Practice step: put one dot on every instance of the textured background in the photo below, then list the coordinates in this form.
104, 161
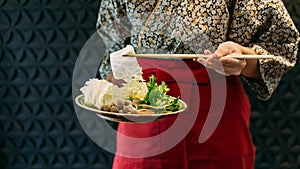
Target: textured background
39, 43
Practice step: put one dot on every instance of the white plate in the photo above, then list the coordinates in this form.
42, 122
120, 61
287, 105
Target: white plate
130, 118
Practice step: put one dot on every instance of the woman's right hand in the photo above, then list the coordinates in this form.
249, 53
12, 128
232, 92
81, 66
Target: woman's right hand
222, 63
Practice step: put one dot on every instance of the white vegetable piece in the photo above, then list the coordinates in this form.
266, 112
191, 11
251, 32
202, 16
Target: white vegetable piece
97, 92
124, 67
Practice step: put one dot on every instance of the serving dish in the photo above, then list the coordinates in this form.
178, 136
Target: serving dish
129, 118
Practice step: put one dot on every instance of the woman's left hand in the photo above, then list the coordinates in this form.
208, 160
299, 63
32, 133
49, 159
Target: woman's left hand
221, 61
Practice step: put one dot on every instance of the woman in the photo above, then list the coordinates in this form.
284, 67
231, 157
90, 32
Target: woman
220, 28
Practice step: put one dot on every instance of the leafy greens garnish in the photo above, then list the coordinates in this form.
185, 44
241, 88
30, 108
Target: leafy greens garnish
157, 96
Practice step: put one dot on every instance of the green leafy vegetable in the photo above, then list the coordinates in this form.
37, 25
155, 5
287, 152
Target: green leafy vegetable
157, 96
173, 105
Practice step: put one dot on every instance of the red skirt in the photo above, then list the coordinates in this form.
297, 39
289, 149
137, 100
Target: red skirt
212, 133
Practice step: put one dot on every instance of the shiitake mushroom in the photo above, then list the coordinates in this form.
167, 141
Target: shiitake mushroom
119, 106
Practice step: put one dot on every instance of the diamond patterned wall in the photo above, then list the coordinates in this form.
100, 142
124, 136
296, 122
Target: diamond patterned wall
39, 43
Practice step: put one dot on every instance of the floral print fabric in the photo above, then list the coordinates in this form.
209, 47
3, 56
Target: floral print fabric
192, 26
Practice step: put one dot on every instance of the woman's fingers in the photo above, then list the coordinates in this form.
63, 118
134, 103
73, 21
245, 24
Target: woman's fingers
214, 64
202, 61
109, 77
233, 66
207, 52
221, 62
232, 62
225, 65
118, 82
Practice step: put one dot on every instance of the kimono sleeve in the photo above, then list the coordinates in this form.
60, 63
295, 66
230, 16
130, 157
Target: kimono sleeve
267, 28
114, 27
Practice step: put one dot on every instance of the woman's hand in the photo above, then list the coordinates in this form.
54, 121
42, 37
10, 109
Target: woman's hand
118, 82
222, 63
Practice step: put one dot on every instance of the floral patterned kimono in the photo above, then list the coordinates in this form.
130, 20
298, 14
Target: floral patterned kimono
192, 26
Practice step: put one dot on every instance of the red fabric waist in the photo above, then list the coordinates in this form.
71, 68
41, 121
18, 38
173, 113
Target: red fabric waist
180, 71
231, 138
